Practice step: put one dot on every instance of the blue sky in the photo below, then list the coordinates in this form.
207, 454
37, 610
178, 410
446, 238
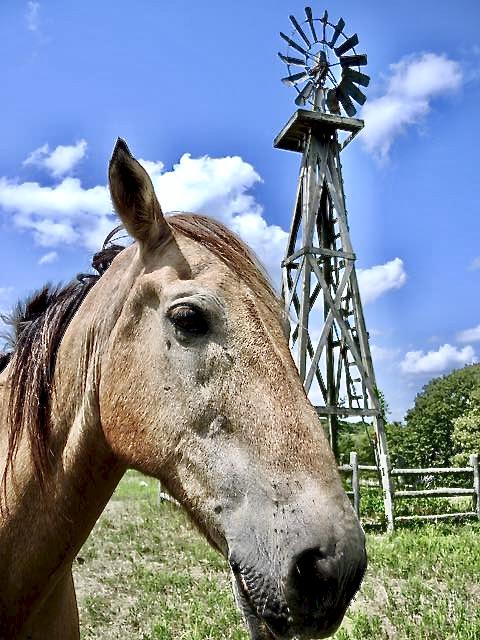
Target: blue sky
195, 89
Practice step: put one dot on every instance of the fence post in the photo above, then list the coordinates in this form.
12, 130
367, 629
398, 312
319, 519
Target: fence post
476, 483
388, 492
355, 482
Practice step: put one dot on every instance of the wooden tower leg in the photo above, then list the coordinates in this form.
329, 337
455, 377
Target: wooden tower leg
384, 468
320, 291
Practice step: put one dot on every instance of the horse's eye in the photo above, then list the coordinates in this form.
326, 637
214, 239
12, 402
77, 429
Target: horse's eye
188, 320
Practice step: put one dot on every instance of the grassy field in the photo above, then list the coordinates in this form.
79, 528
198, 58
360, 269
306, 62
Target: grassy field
146, 574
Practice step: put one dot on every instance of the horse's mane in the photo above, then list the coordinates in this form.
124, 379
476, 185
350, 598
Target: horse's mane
38, 325
53, 303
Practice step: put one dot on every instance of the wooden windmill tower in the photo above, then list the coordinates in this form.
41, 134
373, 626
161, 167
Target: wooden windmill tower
320, 287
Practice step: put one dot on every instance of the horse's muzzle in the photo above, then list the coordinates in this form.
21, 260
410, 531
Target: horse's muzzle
319, 589
315, 595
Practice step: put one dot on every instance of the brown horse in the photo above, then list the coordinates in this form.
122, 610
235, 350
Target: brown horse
173, 362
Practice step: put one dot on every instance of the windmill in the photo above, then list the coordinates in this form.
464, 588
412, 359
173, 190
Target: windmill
320, 289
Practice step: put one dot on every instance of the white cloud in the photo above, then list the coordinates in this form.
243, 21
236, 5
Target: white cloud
475, 264
64, 213
469, 335
5, 292
414, 82
446, 357
69, 213
376, 281
382, 354
219, 187
60, 161
48, 258
32, 16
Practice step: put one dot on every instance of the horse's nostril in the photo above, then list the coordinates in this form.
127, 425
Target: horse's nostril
316, 569
321, 583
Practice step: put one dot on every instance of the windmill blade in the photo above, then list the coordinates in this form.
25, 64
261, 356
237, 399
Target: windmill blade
324, 20
345, 101
300, 31
304, 94
293, 44
332, 101
308, 13
337, 32
295, 79
347, 45
353, 61
356, 76
296, 62
352, 90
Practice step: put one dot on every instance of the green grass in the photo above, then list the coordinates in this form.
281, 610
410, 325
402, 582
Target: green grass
146, 574
423, 583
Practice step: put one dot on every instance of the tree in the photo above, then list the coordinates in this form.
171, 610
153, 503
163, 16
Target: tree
427, 437
466, 432
359, 437
398, 443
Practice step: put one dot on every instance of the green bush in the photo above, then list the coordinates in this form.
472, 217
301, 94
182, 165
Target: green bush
371, 505
426, 439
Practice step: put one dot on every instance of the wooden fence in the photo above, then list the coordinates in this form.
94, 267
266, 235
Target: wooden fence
355, 469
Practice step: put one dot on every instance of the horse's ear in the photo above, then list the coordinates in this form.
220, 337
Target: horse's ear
134, 198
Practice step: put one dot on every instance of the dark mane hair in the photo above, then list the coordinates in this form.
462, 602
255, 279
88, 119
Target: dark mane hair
39, 323
37, 328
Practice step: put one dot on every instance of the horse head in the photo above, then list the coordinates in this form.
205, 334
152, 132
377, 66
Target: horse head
198, 389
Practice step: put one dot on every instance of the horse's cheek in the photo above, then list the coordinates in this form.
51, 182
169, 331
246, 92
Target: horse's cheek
127, 420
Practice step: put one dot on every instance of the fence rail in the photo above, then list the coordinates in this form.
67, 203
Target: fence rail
437, 516
442, 492
429, 471
355, 469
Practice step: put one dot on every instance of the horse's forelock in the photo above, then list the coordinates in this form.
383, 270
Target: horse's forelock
230, 249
